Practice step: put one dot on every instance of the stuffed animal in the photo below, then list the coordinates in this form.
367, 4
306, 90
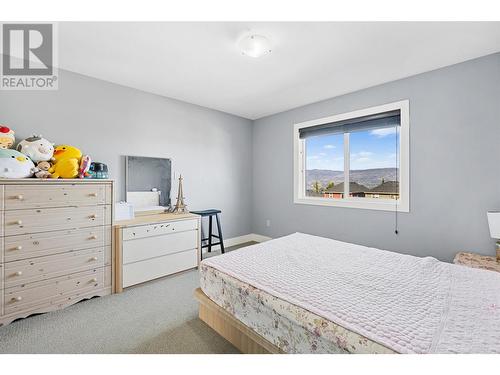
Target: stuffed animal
13, 164
84, 166
66, 162
42, 169
36, 148
7, 138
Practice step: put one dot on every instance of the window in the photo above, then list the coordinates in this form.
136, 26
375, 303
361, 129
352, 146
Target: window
358, 159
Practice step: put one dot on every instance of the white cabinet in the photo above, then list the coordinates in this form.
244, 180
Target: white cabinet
153, 246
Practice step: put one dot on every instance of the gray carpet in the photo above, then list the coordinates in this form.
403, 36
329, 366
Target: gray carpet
156, 317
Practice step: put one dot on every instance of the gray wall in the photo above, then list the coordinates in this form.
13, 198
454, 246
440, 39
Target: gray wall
454, 173
455, 157
211, 149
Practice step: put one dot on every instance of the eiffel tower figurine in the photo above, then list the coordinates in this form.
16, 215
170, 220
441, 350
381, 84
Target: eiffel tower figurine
180, 207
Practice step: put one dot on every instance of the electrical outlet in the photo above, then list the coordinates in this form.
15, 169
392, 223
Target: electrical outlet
268, 223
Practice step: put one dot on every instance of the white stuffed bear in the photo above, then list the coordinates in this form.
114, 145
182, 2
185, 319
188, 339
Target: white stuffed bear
36, 148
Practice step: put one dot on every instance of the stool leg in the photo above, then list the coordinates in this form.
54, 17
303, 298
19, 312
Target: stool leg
210, 234
202, 237
220, 234
202, 231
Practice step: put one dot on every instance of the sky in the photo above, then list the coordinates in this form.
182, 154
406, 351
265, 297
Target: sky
369, 149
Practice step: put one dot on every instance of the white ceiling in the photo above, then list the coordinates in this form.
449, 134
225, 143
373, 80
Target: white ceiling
200, 63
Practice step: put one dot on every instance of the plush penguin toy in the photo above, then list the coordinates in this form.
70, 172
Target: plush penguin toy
13, 164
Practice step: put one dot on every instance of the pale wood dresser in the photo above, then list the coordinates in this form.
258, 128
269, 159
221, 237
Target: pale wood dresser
55, 244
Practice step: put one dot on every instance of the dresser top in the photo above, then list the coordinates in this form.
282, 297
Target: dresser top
55, 181
477, 261
156, 218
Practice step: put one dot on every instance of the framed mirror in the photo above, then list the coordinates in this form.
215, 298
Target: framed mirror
148, 182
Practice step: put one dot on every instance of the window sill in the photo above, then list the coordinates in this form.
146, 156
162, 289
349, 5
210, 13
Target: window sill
363, 203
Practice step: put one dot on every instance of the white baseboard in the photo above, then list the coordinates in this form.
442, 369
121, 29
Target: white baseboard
251, 237
259, 237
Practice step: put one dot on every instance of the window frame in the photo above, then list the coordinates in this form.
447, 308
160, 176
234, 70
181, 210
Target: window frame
299, 164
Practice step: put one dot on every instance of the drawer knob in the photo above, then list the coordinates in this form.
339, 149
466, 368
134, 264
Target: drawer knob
18, 273
18, 222
19, 197
94, 216
93, 258
93, 194
17, 299
94, 237
19, 247
94, 280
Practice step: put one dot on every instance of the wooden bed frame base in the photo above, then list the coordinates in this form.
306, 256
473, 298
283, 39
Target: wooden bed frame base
234, 331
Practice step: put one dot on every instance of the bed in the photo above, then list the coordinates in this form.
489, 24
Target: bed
308, 294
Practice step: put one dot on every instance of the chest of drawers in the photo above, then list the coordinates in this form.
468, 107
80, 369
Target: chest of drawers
153, 246
55, 244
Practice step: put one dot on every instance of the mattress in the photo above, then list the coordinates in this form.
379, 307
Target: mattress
287, 326
308, 294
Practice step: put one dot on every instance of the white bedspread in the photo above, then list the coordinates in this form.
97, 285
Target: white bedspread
409, 304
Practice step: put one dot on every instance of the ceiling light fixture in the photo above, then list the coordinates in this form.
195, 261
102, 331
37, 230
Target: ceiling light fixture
254, 45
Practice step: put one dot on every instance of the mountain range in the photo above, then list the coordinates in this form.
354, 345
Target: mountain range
367, 177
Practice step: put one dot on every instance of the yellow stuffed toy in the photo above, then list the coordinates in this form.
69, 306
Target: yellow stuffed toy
66, 162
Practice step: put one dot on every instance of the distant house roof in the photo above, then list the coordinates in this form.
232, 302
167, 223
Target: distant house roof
354, 187
386, 187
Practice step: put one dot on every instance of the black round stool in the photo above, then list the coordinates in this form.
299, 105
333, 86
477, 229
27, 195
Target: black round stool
210, 213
